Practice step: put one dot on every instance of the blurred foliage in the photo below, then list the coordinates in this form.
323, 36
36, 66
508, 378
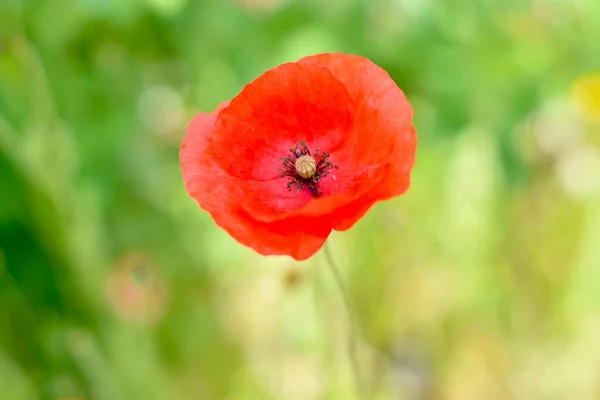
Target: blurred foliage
482, 282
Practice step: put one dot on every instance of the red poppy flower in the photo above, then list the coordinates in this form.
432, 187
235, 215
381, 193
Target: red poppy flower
307, 147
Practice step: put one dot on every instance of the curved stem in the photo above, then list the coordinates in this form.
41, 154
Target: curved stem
353, 340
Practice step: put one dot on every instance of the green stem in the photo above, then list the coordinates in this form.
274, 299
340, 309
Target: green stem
354, 334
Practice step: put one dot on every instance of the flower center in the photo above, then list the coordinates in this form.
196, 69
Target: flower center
306, 166
305, 170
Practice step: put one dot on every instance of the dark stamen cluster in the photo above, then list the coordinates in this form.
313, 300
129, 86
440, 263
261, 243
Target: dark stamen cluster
289, 169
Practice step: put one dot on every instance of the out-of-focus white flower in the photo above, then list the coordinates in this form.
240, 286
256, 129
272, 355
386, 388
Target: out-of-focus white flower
297, 378
578, 171
558, 127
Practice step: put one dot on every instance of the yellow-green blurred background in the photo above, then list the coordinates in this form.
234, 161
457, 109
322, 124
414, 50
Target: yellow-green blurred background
481, 283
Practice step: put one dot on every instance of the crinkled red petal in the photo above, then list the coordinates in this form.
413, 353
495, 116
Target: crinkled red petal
219, 194
382, 132
290, 103
382, 129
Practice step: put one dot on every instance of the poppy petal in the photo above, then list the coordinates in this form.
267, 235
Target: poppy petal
394, 181
270, 200
383, 115
382, 130
288, 104
219, 194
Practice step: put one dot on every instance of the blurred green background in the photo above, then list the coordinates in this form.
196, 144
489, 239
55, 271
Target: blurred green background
481, 283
